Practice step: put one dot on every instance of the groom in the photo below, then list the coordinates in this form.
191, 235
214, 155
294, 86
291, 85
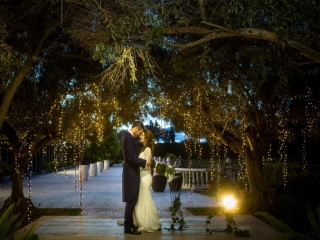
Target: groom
131, 174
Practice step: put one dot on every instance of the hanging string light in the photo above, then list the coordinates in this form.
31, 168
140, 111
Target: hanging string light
82, 150
243, 165
76, 158
269, 159
212, 154
29, 203
307, 131
219, 171
283, 143
65, 158
188, 147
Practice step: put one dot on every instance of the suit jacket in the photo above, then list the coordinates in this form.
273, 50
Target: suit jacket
131, 168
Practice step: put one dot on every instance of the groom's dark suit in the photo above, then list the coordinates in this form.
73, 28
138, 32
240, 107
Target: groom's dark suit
130, 177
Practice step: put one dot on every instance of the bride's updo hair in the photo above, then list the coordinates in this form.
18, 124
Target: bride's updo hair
149, 138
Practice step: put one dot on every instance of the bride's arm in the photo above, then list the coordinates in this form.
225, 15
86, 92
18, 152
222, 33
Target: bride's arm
147, 155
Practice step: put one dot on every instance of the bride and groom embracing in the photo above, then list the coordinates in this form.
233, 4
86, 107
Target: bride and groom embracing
140, 211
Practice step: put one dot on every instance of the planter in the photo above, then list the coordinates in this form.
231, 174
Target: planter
176, 183
159, 183
106, 164
93, 170
83, 172
100, 166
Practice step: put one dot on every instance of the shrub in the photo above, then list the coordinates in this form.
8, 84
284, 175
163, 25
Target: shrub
6, 169
299, 181
9, 225
161, 168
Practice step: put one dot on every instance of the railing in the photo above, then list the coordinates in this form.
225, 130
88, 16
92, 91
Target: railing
198, 177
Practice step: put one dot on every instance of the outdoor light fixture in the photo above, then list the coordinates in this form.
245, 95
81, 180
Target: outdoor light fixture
228, 202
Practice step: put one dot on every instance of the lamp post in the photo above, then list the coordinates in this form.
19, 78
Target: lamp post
228, 203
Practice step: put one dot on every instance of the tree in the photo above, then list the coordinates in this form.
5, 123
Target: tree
243, 100
45, 110
30, 30
155, 129
108, 148
106, 31
59, 101
111, 145
171, 135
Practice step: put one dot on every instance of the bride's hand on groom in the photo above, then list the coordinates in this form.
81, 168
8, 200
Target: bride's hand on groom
148, 162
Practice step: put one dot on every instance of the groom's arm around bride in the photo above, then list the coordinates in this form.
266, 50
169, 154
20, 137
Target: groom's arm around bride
131, 174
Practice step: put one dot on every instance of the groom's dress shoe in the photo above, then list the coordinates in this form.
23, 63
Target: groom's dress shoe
135, 228
132, 231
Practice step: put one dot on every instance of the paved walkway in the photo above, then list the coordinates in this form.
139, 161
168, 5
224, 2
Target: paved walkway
102, 207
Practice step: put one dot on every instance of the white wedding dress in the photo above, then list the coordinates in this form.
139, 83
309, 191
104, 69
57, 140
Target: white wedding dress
145, 214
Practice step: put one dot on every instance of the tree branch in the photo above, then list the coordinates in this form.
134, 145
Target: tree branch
209, 35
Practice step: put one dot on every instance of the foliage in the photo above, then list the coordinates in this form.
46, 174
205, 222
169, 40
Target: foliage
108, 148
170, 171
231, 223
161, 168
154, 127
298, 182
225, 100
314, 223
172, 157
6, 223
285, 231
9, 225
30, 235
6, 169
111, 145
208, 221
176, 213
268, 45
59, 211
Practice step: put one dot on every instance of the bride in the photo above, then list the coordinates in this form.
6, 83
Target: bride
145, 214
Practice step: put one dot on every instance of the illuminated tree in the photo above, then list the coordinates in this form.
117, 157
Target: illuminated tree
104, 30
108, 29
59, 101
232, 42
245, 99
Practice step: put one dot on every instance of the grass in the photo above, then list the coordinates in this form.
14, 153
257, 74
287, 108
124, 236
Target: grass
206, 211
59, 212
201, 211
205, 193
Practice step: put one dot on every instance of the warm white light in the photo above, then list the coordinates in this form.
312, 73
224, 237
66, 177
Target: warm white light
229, 202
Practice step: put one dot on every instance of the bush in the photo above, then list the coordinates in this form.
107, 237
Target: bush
6, 169
169, 171
9, 225
299, 181
161, 168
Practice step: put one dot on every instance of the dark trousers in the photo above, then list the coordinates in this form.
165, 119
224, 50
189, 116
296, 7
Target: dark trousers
128, 212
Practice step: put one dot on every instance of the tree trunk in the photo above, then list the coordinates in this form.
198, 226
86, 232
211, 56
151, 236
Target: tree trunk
260, 198
17, 196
